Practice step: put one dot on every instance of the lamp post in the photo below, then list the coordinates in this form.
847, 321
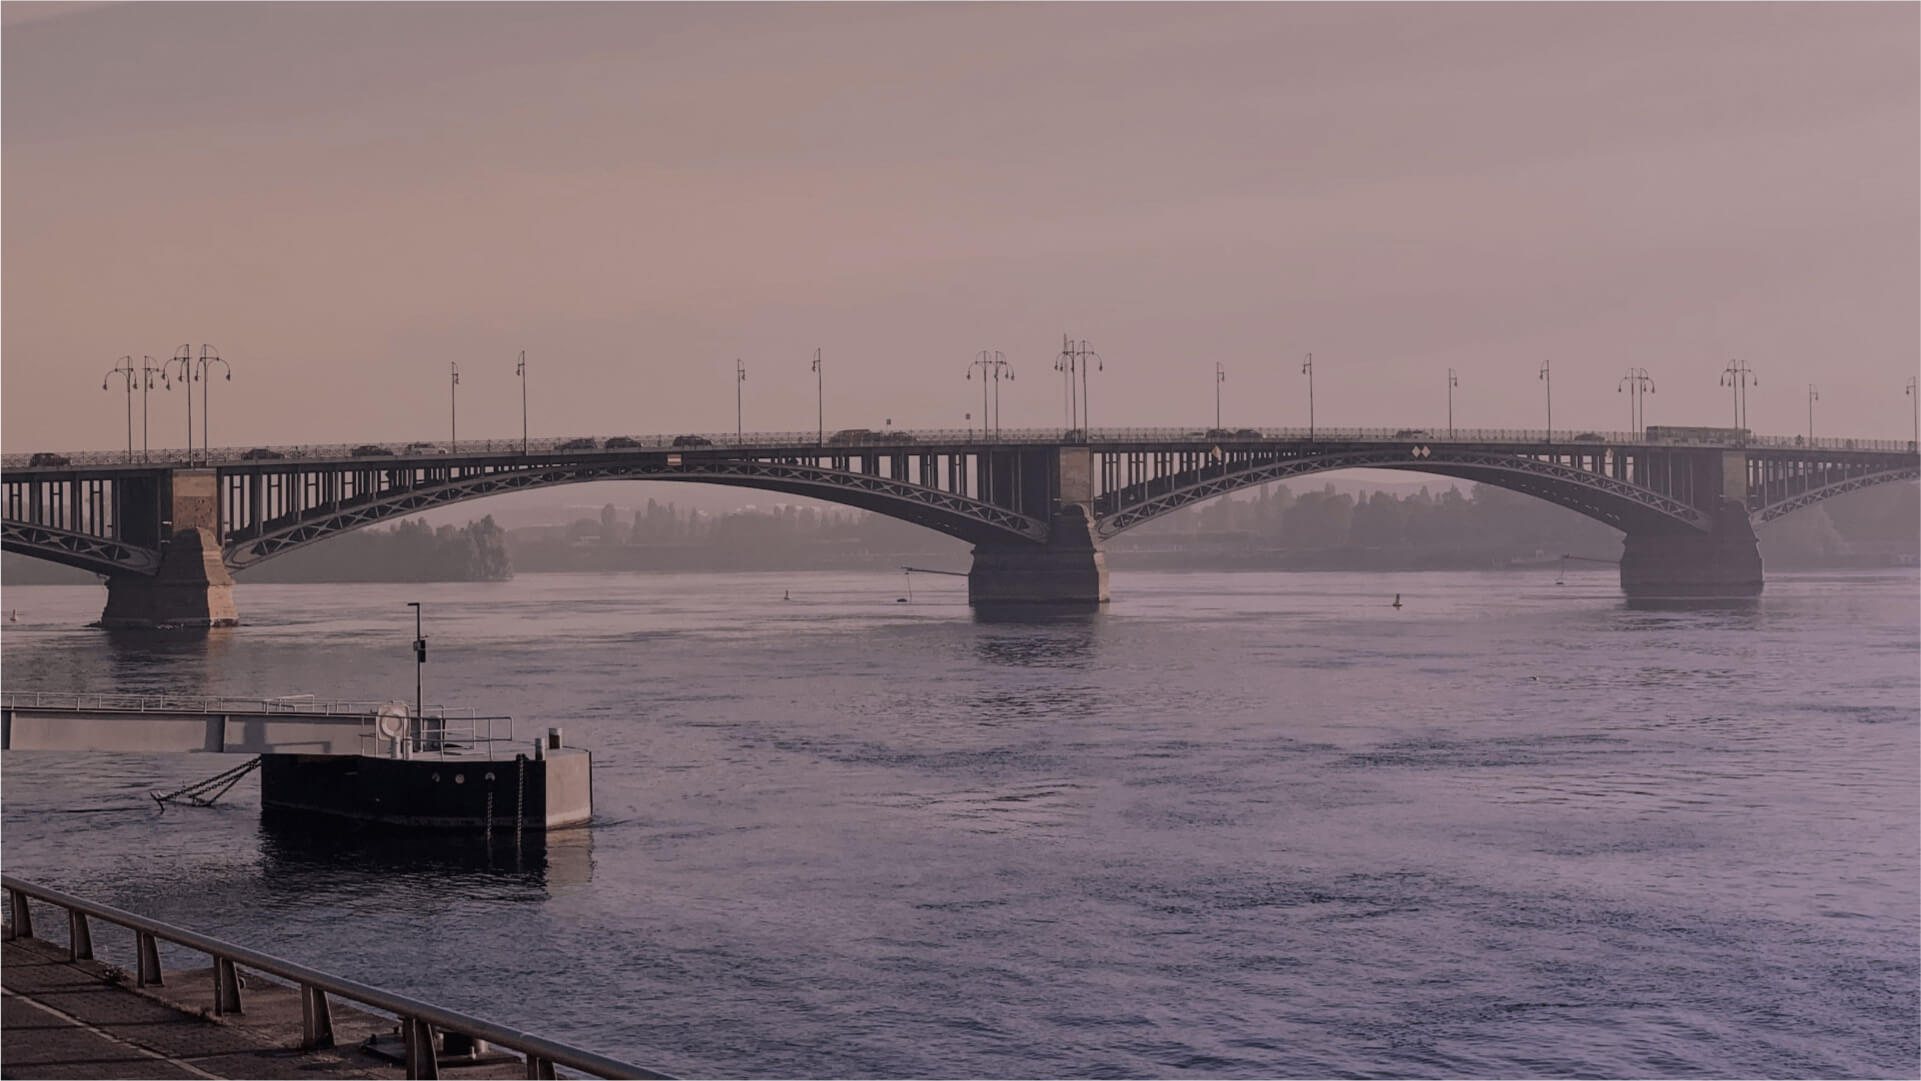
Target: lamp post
992, 364
148, 369
1914, 396
1307, 369
1738, 375
1077, 357
1452, 382
453, 407
209, 356
521, 370
183, 358
1638, 385
820, 398
124, 369
420, 661
1813, 396
1220, 376
740, 376
1547, 374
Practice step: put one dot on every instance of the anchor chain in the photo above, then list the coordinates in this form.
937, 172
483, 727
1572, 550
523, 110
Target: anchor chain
197, 793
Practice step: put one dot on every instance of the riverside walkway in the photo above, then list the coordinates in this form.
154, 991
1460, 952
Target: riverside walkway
69, 1014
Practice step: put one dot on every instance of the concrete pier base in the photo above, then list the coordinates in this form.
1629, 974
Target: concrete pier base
1068, 571
191, 589
1723, 563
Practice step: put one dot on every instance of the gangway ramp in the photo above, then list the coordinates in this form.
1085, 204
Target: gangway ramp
161, 724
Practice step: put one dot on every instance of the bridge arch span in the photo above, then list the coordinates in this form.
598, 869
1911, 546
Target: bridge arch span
971, 520
1618, 502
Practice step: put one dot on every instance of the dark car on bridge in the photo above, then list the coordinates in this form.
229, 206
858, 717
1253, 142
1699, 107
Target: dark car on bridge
1589, 437
692, 441
1412, 433
622, 442
371, 450
47, 457
259, 453
847, 437
583, 443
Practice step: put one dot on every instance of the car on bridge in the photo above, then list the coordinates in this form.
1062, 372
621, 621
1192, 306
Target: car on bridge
583, 443
47, 457
692, 441
1412, 433
259, 453
425, 448
1589, 437
622, 442
371, 450
847, 437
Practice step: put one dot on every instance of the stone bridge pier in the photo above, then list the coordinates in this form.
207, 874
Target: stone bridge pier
1680, 563
1069, 570
192, 587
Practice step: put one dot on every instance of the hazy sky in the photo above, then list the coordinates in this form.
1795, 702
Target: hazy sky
343, 198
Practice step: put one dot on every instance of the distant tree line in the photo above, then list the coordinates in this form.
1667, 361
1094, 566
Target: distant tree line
411, 551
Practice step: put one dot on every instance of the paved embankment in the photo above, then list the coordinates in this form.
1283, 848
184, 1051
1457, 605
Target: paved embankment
79, 1019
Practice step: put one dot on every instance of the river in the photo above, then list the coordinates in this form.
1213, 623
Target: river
1239, 824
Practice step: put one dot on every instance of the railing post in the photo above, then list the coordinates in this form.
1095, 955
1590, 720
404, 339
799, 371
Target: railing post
316, 1019
226, 987
539, 1069
79, 936
422, 1062
146, 960
22, 918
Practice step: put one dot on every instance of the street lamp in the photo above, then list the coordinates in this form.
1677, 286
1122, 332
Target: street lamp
1220, 376
1638, 385
1813, 396
208, 356
183, 358
1452, 382
521, 371
820, 399
453, 407
1738, 375
1307, 369
993, 364
124, 369
1915, 396
740, 376
1077, 357
1547, 373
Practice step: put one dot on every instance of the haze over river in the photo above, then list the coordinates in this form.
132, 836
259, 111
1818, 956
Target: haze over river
1239, 824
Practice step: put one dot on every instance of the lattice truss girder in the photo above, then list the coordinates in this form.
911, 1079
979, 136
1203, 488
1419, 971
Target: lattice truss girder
1764, 510
957, 515
1599, 496
102, 555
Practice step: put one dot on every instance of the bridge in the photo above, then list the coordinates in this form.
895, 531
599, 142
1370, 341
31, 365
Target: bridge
1036, 504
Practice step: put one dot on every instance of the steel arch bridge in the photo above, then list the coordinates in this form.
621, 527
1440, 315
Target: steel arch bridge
103, 514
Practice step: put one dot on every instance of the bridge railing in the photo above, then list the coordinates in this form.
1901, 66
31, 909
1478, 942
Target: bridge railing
154, 703
419, 1021
419, 453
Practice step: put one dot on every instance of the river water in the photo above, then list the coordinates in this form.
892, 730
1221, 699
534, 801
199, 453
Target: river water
1239, 824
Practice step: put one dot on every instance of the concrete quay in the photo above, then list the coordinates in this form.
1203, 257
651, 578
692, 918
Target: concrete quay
81, 1019
250, 1014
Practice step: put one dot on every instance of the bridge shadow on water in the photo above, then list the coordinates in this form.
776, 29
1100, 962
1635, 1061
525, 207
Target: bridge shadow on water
293, 842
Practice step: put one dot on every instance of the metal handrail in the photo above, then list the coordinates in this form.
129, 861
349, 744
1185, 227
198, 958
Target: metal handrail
901, 439
134, 703
419, 1020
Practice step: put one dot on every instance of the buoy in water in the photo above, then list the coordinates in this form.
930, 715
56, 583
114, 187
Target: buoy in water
1397, 601
785, 596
